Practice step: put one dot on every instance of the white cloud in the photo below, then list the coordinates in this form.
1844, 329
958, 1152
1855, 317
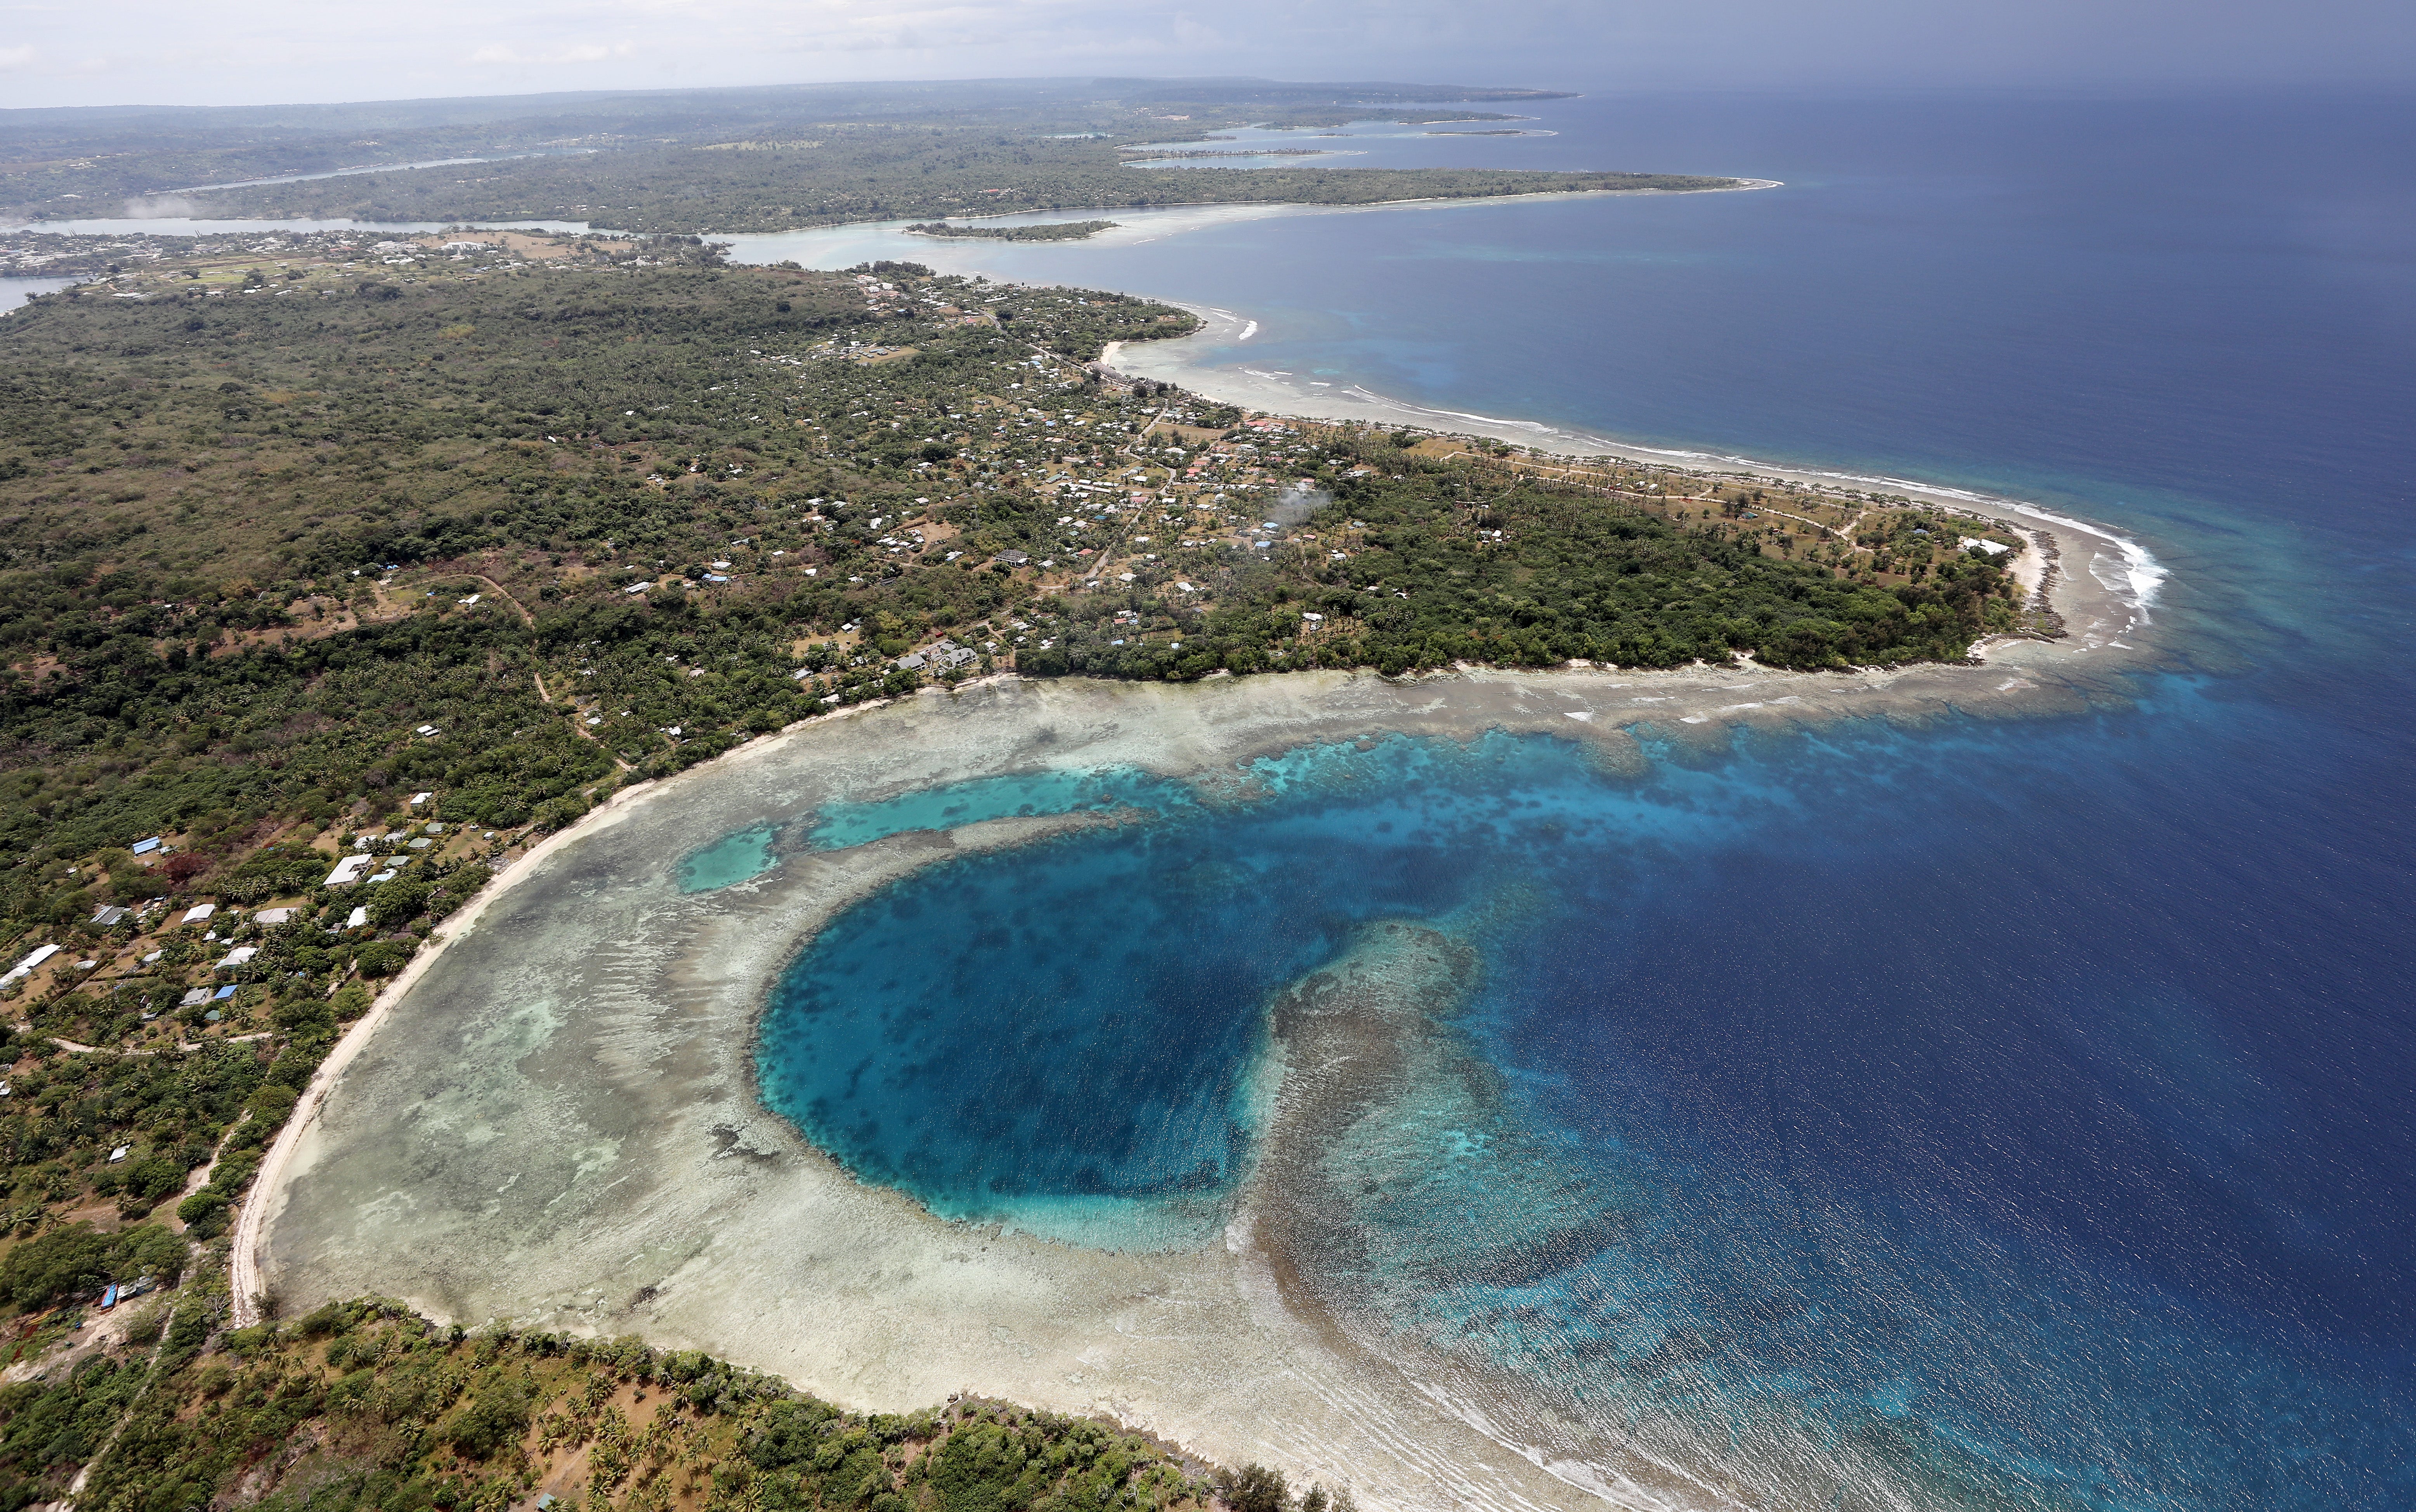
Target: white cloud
286, 50
576, 53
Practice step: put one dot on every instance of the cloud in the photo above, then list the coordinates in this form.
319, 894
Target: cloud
576, 53
287, 50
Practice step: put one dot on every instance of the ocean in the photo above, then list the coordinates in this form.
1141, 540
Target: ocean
1982, 1114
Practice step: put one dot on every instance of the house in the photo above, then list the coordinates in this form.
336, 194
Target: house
26, 968
145, 847
240, 955
110, 916
349, 870
426, 731
194, 998
910, 662
1012, 558
200, 912
359, 918
418, 799
222, 995
274, 916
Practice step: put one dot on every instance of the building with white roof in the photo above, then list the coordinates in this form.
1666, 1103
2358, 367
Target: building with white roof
26, 968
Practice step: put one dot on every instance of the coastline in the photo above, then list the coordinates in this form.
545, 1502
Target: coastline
2094, 614
258, 1207
1174, 361
595, 1041
553, 1119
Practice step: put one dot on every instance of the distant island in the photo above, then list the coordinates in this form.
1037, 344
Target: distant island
1054, 230
691, 162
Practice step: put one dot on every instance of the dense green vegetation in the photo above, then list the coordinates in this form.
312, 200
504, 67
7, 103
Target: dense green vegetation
364, 1405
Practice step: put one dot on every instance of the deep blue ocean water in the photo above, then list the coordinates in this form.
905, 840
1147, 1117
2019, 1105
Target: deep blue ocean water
2026, 1105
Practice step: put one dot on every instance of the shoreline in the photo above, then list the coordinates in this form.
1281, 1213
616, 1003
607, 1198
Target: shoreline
553, 1120
259, 1204
1167, 361
298, 223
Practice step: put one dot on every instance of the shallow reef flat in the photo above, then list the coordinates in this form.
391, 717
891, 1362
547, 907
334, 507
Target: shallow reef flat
557, 1122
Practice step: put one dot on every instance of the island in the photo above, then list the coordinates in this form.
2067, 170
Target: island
690, 161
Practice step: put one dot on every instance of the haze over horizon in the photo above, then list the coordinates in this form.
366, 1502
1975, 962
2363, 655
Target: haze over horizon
154, 53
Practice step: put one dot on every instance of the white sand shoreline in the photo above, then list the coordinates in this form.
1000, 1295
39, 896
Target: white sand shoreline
1173, 361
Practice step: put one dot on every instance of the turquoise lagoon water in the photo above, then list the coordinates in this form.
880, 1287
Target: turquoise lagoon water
2003, 1115
1815, 1108
728, 861
1095, 789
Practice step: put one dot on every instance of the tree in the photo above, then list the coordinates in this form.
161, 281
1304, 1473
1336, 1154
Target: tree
496, 1417
1253, 1488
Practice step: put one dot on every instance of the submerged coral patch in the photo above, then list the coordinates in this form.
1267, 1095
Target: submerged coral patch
730, 859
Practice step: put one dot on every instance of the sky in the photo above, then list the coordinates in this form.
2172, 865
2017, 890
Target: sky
260, 52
